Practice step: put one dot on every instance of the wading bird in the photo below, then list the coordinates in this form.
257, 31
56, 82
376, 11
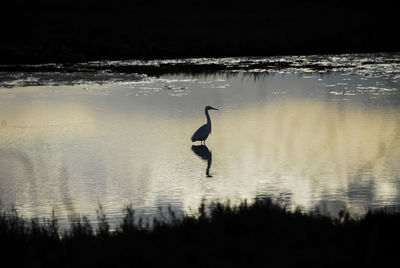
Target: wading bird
202, 133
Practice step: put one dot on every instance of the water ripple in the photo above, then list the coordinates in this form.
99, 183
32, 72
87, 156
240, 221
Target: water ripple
383, 65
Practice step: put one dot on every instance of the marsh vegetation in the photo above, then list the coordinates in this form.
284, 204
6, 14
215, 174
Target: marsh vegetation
261, 232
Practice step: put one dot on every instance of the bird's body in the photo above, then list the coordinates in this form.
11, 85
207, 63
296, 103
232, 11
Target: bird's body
202, 133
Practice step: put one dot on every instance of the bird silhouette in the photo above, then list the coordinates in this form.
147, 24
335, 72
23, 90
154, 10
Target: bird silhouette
202, 133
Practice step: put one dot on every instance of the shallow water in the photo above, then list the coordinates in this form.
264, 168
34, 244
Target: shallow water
323, 140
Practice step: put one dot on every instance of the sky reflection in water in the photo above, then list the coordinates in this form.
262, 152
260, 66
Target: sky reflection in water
312, 140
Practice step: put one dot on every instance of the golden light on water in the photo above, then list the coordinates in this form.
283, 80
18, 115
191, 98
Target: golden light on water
71, 151
311, 147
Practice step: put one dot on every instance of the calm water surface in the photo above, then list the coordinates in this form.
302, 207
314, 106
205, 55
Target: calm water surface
317, 140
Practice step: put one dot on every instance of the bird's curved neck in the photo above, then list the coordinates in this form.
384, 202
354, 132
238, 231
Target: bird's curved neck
208, 119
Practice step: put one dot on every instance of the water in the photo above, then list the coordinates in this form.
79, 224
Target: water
313, 138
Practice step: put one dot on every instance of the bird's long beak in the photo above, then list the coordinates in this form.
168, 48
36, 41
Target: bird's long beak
215, 109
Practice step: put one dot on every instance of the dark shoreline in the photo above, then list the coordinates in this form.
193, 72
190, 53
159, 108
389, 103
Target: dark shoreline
81, 31
262, 233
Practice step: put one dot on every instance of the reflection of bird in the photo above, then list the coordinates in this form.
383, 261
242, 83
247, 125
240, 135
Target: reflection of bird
203, 152
202, 133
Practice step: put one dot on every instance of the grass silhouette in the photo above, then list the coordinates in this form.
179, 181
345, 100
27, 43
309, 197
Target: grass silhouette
261, 233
